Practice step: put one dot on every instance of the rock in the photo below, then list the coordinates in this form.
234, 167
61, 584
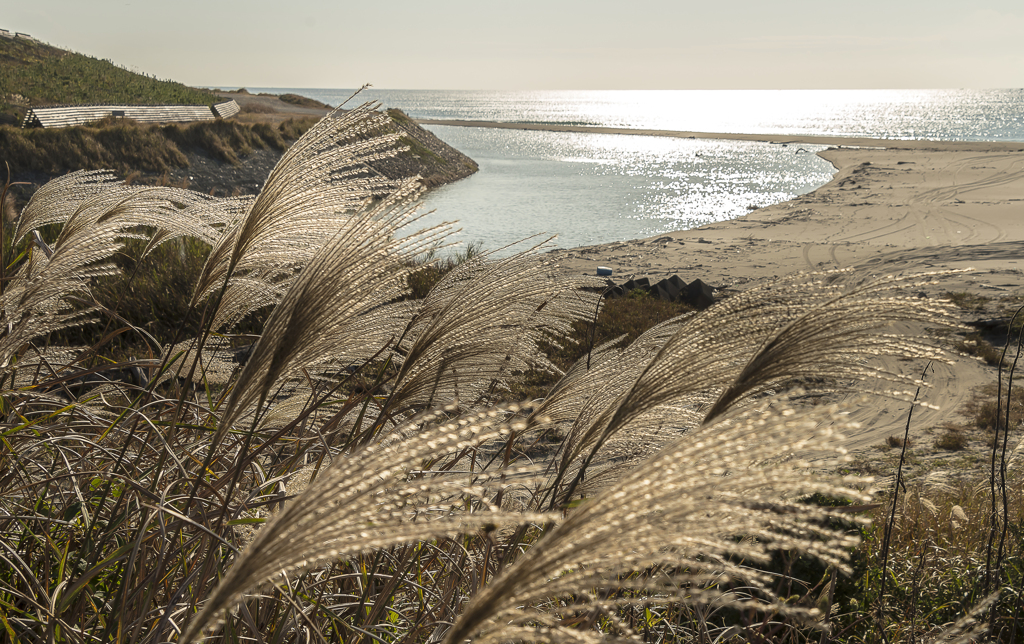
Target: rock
697, 293
700, 294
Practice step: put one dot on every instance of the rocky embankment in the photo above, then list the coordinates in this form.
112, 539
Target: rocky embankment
428, 157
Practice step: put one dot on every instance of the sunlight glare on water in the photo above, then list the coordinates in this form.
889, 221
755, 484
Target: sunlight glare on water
952, 115
595, 188
592, 188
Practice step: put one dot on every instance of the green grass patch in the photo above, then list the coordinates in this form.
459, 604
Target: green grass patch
38, 74
303, 101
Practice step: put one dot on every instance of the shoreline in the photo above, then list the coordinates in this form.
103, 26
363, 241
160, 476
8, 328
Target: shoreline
886, 212
885, 209
890, 202
893, 207
807, 139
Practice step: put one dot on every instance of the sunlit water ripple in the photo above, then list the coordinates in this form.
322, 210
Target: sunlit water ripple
597, 188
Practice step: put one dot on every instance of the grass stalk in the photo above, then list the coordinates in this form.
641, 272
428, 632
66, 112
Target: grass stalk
897, 486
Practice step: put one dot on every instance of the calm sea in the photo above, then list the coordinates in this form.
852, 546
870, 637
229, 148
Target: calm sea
597, 188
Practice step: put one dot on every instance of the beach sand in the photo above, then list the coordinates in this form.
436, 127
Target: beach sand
893, 207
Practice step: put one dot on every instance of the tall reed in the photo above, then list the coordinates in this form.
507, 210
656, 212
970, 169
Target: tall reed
353, 475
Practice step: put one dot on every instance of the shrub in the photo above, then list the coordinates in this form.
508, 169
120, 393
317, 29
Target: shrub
986, 412
952, 440
897, 441
938, 553
303, 101
294, 128
258, 108
976, 345
425, 278
967, 300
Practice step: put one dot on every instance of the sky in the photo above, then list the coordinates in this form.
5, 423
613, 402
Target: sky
550, 44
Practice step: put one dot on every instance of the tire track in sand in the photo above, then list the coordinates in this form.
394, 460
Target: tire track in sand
928, 205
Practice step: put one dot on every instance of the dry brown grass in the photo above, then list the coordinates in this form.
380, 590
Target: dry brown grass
986, 411
952, 440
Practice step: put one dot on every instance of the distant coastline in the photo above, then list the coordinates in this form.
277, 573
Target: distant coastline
786, 139
951, 114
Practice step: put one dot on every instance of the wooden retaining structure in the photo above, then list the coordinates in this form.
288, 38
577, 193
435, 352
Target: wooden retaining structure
12, 35
68, 115
227, 109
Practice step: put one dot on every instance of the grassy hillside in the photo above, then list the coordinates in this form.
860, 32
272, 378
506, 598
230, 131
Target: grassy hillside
34, 74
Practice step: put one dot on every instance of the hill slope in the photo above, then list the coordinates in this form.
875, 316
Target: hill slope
35, 73
222, 157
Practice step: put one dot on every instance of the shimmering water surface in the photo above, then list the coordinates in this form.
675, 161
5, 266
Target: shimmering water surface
596, 188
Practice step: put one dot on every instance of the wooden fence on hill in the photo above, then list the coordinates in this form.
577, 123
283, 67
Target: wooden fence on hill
67, 115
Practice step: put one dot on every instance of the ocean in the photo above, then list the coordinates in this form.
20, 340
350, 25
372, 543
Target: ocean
599, 188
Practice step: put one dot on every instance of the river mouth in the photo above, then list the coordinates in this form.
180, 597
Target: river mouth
599, 188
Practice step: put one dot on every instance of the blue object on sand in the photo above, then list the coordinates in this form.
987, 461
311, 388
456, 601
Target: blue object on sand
604, 270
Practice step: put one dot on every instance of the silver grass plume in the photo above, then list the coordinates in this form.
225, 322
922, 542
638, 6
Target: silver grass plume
595, 383
837, 339
766, 337
50, 290
370, 500
723, 493
321, 180
59, 198
80, 197
481, 323
711, 346
206, 220
338, 301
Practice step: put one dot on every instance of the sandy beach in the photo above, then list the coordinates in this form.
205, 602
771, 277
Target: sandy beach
893, 207
887, 210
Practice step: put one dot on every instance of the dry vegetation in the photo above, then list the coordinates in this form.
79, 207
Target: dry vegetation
126, 146
357, 474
